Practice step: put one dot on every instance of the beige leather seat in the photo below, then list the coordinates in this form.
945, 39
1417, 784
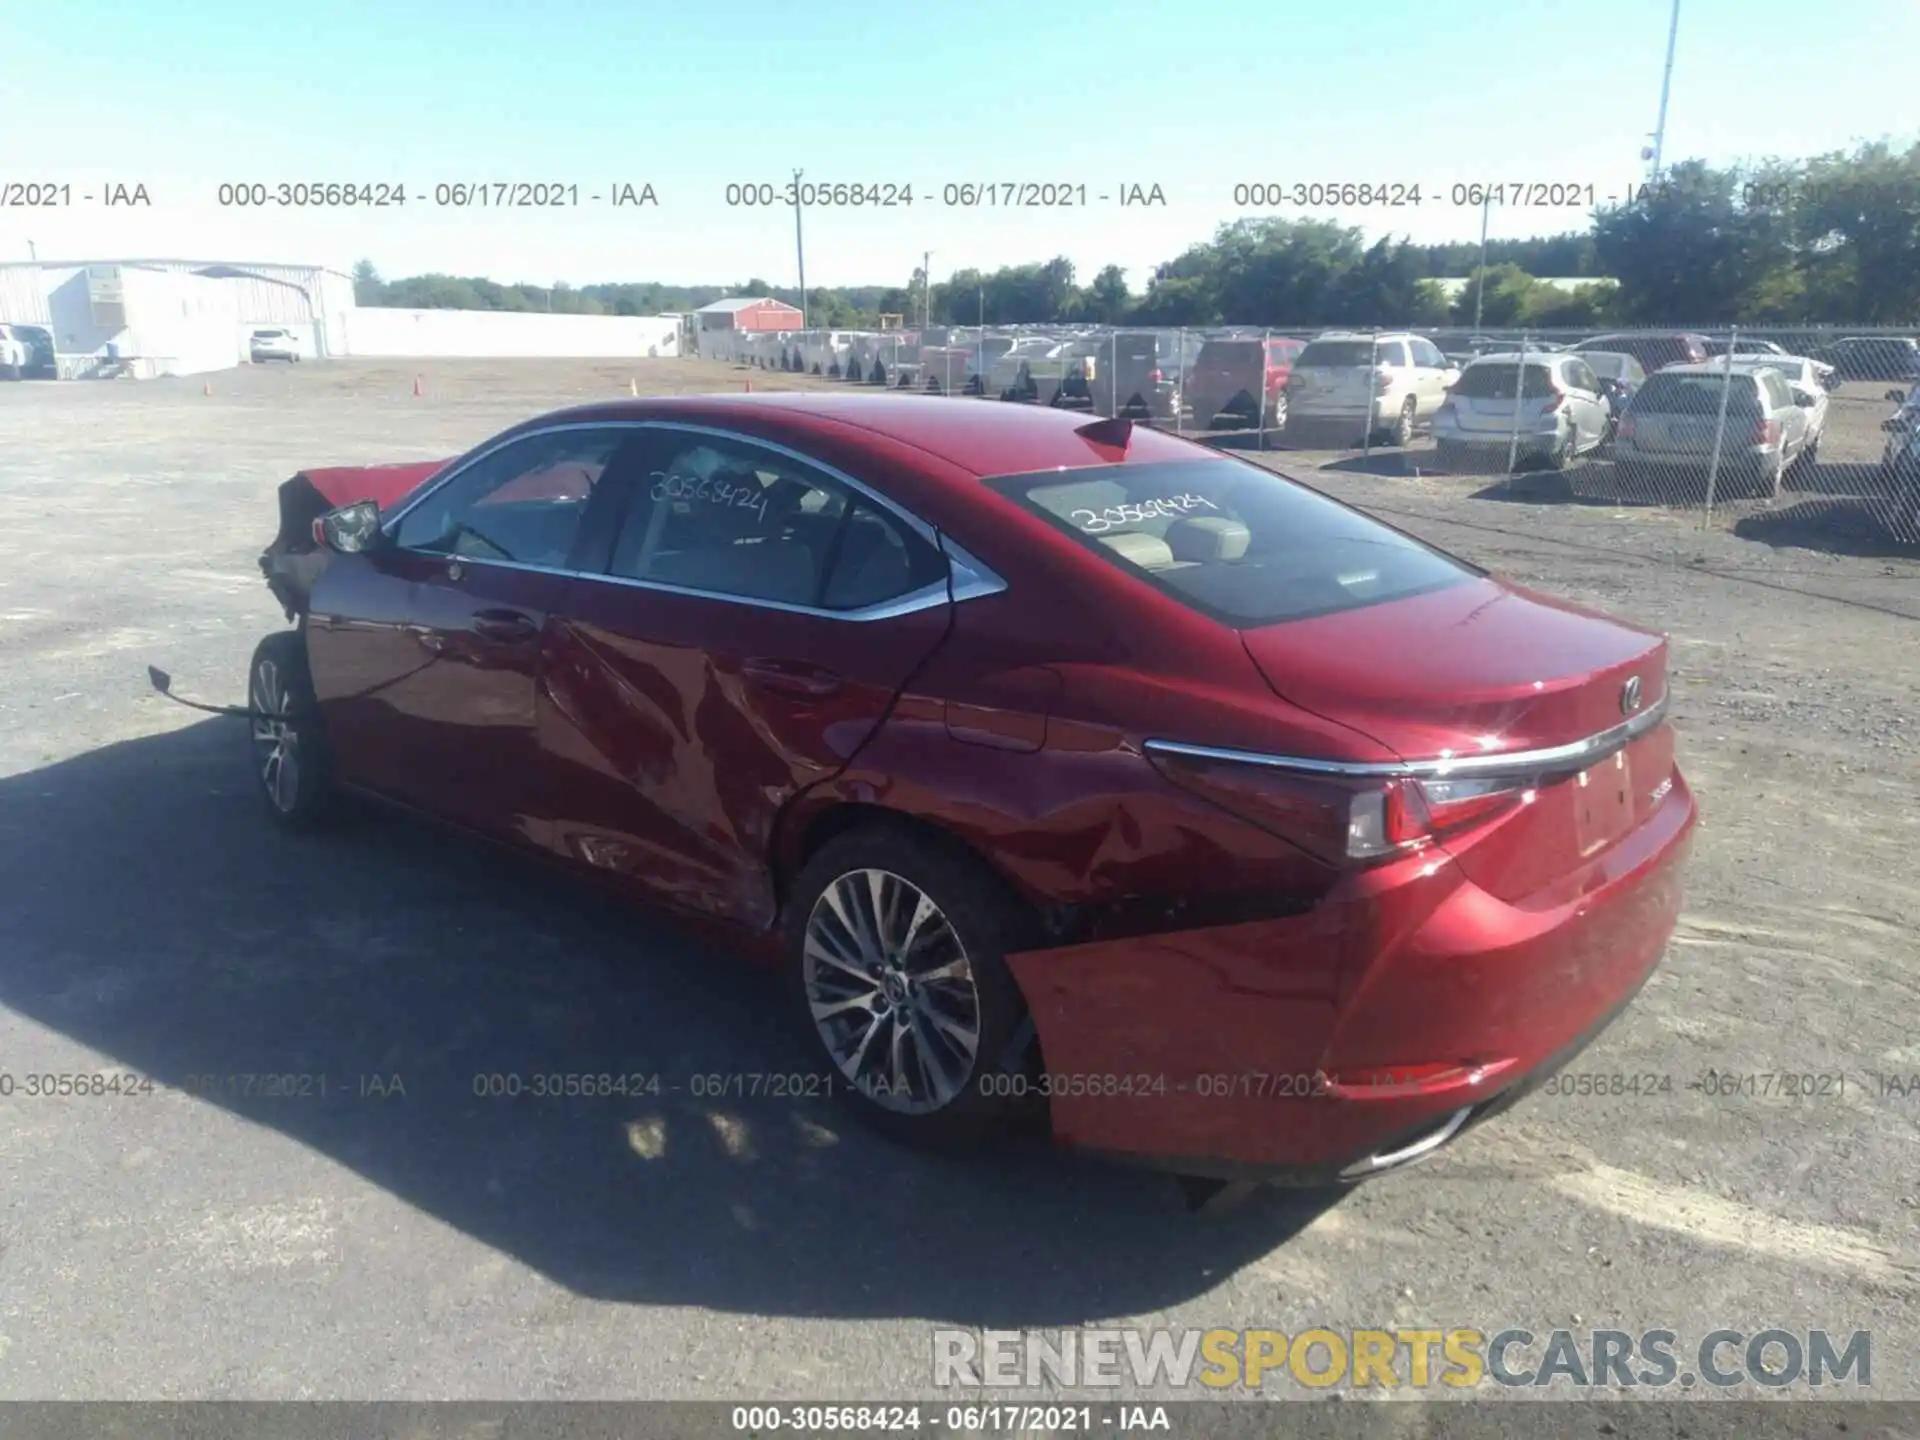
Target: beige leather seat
1203, 538
1146, 551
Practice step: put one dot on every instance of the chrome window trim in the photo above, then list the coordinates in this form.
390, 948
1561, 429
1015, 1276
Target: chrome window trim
914, 522
1575, 755
968, 578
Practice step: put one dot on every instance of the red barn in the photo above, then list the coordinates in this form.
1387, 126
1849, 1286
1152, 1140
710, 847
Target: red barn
749, 313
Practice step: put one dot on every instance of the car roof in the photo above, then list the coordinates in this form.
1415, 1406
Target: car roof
981, 438
1542, 358
1713, 368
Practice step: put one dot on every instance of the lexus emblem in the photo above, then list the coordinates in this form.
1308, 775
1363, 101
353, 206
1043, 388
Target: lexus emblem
1630, 695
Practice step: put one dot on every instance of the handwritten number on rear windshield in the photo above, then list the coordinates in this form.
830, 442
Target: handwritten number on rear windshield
1167, 507
712, 490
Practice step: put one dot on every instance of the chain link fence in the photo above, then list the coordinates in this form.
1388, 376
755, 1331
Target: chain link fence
1721, 423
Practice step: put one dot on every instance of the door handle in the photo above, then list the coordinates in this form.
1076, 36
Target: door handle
789, 678
506, 627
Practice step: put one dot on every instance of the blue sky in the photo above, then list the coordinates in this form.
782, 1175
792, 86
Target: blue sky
1195, 97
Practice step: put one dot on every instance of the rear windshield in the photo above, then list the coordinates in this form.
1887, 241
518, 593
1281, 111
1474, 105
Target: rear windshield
1669, 394
1337, 354
1610, 365
1223, 351
1497, 382
1234, 541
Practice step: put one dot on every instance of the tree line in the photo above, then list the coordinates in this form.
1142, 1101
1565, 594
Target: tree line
1833, 238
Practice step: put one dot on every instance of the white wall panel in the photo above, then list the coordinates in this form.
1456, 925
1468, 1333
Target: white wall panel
502, 334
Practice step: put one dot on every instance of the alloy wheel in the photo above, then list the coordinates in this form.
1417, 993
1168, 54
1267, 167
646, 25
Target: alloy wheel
276, 742
891, 990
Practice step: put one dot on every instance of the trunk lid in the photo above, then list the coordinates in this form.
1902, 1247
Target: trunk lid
1484, 668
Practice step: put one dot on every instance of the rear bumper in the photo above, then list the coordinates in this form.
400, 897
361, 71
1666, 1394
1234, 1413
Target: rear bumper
1361, 1036
1745, 457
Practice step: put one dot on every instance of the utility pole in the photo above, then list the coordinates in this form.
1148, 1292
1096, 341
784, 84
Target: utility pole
1666, 89
800, 248
926, 289
1480, 279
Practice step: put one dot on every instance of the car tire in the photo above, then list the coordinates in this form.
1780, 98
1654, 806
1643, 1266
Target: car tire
975, 921
1402, 433
1903, 514
291, 766
1279, 419
1561, 455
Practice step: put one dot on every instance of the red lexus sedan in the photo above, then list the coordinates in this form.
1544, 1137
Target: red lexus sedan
1068, 768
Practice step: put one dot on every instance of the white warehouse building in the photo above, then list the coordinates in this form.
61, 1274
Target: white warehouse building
171, 317
182, 317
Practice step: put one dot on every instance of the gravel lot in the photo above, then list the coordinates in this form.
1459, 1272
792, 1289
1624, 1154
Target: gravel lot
433, 1245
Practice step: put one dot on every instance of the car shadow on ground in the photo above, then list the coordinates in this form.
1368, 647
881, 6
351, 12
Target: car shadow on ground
1834, 524
1386, 462
149, 911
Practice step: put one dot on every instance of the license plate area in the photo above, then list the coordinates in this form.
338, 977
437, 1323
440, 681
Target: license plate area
1603, 803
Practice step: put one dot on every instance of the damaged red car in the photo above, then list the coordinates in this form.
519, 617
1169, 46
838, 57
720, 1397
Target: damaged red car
1070, 770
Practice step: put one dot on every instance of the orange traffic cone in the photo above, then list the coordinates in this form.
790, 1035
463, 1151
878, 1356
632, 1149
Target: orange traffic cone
416, 387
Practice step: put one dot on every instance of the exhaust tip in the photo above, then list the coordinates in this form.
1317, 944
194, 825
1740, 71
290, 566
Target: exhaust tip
1416, 1149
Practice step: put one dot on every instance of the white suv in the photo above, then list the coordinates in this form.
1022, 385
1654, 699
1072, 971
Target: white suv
13, 354
273, 345
1382, 387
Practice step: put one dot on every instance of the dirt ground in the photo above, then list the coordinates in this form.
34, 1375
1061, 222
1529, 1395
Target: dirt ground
427, 1242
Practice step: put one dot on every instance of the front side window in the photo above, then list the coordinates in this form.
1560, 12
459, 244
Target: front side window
522, 503
732, 518
1232, 540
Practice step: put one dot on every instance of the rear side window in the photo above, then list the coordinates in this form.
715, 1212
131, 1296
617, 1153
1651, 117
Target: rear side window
732, 518
1232, 540
1670, 394
1496, 382
1338, 355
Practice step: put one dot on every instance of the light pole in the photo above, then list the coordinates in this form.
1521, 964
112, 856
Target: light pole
1666, 89
926, 289
800, 248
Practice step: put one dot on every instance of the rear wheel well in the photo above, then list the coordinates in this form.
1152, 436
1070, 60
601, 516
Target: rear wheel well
841, 819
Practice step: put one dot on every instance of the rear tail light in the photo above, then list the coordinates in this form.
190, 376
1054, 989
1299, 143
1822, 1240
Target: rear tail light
1766, 432
1155, 376
1407, 814
1383, 378
1555, 398
1345, 821
1626, 426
